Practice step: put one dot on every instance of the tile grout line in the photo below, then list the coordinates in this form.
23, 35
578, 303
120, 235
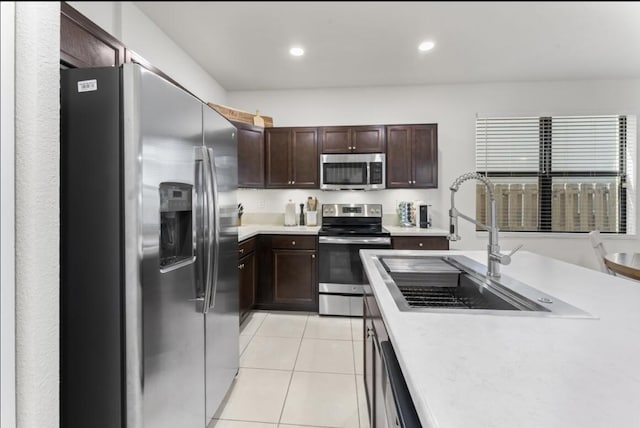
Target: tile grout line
251, 336
355, 375
293, 370
257, 328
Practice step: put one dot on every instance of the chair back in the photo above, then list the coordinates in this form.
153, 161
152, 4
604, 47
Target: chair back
598, 248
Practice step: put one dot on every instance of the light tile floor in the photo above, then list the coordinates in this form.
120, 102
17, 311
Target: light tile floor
297, 370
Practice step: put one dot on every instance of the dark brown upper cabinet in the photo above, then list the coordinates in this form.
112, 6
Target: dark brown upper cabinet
412, 156
85, 44
352, 139
291, 158
250, 155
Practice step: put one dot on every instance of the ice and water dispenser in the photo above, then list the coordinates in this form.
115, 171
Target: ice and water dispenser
176, 229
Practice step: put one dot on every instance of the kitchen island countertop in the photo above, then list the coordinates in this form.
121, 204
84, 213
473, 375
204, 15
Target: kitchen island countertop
522, 371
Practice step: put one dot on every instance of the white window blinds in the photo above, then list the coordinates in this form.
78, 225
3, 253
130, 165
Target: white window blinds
560, 173
585, 143
507, 144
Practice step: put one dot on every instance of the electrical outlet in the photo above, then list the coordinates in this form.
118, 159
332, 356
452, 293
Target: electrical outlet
261, 203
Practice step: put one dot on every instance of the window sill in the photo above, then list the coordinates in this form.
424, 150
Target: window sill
560, 235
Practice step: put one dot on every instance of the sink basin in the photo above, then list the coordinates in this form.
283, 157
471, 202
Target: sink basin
458, 284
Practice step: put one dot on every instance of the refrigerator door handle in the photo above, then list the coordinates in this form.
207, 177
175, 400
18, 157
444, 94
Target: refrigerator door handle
215, 223
208, 188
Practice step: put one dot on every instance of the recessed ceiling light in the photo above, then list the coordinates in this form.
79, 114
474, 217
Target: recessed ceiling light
296, 51
426, 46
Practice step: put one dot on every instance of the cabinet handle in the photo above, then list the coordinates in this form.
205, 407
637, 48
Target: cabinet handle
369, 332
293, 242
420, 244
241, 250
241, 266
293, 182
313, 256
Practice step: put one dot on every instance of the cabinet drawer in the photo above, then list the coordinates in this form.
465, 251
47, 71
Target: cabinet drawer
294, 242
247, 246
420, 243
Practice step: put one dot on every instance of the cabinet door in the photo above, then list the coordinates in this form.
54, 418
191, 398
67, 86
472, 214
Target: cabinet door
399, 156
368, 139
369, 363
425, 156
247, 283
84, 44
294, 277
304, 158
336, 139
277, 148
250, 156
380, 384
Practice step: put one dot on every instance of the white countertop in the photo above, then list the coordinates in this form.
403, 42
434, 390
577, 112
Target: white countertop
250, 230
504, 372
415, 231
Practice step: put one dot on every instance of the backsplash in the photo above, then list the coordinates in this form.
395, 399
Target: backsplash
267, 206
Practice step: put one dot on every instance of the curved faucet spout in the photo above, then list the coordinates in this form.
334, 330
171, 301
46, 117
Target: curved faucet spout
493, 249
471, 176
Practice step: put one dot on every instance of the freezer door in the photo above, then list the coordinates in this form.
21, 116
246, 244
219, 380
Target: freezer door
164, 328
222, 316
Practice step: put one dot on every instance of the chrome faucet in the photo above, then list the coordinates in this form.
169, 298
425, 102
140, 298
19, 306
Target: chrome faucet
494, 257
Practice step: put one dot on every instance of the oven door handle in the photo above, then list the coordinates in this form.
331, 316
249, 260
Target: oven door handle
354, 240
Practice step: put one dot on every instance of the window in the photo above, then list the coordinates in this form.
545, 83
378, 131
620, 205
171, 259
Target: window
558, 174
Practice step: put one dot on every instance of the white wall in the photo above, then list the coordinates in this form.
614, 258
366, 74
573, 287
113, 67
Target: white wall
37, 182
137, 32
7, 218
453, 108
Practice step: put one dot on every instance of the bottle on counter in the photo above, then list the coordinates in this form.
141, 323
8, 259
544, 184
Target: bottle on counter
301, 215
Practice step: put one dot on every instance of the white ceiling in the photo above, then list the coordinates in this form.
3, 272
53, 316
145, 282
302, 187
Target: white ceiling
244, 45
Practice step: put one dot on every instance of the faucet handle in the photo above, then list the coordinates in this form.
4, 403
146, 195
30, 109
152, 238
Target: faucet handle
515, 249
506, 259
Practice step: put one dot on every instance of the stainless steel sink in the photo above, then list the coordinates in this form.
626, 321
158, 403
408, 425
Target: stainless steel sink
460, 285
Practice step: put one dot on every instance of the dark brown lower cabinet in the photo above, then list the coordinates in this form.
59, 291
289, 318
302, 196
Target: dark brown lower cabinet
419, 243
247, 276
388, 398
293, 277
288, 273
374, 334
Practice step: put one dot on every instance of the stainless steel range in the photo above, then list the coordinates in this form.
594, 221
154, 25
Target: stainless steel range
346, 229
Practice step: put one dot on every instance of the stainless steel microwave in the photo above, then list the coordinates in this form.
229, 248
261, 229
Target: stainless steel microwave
353, 171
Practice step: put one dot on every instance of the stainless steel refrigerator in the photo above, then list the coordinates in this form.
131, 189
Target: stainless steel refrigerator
149, 244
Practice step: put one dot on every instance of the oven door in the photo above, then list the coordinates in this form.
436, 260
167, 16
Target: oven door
339, 257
